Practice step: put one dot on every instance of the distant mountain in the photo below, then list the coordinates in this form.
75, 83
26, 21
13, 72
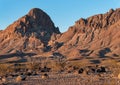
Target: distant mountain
96, 36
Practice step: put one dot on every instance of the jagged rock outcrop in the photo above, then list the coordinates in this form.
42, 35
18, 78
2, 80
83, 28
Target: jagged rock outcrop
95, 36
31, 32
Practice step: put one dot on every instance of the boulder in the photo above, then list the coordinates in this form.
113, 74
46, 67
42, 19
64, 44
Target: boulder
118, 76
45, 76
20, 78
80, 70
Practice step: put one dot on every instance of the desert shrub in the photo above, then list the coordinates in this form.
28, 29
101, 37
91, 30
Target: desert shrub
77, 63
5, 69
113, 66
20, 67
56, 66
33, 66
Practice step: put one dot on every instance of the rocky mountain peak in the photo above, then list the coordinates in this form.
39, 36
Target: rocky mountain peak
34, 11
36, 21
40, 18
34, 30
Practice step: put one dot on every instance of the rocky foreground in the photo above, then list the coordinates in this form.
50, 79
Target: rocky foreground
66, 79
67, 75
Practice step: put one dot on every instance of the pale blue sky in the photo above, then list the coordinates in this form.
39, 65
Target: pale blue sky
63, 12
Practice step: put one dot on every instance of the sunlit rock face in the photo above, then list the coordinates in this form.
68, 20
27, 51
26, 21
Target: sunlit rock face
96, 36
30, 32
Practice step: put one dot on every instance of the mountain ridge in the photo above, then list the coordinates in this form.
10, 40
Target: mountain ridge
96, 36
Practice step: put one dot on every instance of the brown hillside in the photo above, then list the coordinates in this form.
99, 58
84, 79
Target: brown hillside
96, 36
